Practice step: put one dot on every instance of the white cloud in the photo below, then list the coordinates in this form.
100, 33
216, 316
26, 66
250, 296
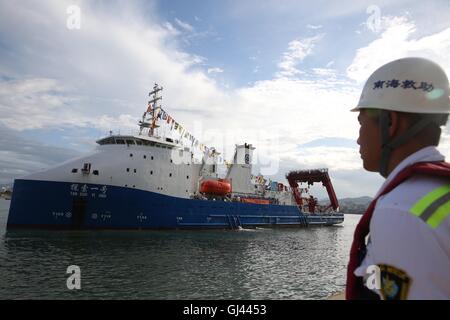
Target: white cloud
297, 108
314, 27
105, 87
325, 72
297, 51
33, 103
186, 26
107, 67
396, 41
19, 156
99, 77
171, 29
214, 70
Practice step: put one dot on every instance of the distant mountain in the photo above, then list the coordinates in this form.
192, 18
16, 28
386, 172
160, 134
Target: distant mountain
359, 200
351, 205
354, 205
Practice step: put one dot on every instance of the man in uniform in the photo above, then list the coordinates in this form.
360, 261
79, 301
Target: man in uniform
401, 246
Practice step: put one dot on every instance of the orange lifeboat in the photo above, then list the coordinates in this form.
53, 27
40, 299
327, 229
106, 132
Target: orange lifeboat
219, 187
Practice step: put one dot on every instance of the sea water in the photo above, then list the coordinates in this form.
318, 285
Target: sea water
293, 263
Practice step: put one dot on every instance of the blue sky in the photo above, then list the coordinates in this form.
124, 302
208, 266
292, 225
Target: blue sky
279, 74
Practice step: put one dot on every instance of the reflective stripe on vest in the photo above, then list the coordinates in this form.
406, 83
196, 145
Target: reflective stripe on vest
434, 207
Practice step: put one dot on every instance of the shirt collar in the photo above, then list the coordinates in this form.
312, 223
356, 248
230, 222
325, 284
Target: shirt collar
430, 153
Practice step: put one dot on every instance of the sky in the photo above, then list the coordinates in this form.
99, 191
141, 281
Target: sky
281, 75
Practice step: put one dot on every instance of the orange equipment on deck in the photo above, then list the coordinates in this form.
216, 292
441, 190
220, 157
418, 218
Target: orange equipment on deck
310, 177
258, 201
220, 187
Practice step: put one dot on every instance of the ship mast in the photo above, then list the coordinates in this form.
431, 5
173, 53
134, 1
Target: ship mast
153, 109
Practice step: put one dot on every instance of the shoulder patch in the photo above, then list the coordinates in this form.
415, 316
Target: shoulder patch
395, 283
434, 207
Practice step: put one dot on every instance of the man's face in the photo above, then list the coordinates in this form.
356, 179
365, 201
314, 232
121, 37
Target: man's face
369, 140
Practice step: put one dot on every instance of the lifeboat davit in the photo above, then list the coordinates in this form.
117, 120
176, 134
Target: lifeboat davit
220, 187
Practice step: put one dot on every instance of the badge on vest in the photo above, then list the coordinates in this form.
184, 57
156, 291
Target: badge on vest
395, 283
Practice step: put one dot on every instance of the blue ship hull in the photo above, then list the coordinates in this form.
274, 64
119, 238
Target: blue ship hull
60, 205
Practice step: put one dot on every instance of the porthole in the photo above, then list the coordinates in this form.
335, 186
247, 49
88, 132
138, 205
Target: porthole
134, 170
151, 172
128, 169
131, 154
170, 174
145, 157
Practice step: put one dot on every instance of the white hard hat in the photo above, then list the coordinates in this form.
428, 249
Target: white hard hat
415, 85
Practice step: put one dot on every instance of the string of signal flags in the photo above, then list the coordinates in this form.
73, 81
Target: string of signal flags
160, 114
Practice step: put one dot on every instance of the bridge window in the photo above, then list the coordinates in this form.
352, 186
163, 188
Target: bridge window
130, 141
107, 141
95, 172
120, 141
74, 170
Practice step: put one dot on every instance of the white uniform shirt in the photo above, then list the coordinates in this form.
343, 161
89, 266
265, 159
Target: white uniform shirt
405, 241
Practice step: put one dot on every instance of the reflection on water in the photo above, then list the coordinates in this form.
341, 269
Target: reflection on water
306, 263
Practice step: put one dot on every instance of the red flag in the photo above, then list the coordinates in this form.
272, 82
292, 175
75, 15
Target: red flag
149, 108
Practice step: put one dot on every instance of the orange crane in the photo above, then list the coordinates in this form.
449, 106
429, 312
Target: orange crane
310, 177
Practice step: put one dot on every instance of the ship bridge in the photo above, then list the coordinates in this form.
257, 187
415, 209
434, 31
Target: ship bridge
140, 140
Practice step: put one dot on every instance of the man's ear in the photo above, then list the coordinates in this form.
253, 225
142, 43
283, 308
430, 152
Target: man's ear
394, 123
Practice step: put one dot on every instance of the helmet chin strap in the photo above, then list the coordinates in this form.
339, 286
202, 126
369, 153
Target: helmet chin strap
387, 146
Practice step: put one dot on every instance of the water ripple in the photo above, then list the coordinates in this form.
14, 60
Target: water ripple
306, 263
